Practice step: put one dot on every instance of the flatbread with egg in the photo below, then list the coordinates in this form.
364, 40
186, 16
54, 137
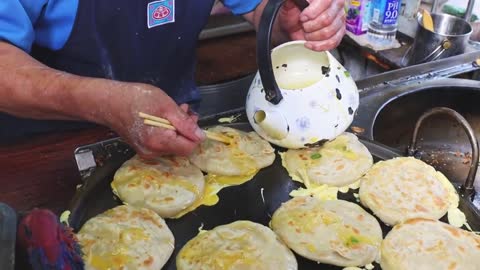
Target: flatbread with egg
403, 188
166, 185
239, 245
247, 153
430, 245
333, 232
126, 237
339, 162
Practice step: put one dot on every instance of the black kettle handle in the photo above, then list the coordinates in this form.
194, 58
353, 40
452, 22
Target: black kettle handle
301, 4
264, 39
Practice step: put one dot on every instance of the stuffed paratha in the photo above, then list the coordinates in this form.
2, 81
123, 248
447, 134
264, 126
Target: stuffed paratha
247, 154
339, 162
404, 188
334, 232
166, 185
430, 245
126, 238
239, 245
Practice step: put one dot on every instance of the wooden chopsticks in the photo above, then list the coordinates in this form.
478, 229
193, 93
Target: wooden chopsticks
164, 123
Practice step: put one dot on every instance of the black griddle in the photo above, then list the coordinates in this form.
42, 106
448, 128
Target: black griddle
244, 202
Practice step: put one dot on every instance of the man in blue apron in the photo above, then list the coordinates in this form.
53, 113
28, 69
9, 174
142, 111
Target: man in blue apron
103, 61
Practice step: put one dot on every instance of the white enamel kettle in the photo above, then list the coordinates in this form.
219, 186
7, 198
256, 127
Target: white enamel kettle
299, 98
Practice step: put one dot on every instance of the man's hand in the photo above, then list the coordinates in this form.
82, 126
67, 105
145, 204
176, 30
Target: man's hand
322, 23
131, 98
31, 89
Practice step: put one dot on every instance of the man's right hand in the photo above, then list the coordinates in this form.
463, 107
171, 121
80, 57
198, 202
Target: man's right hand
32, 90
128, 99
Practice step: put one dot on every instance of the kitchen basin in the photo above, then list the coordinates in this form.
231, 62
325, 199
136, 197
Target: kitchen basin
388, 115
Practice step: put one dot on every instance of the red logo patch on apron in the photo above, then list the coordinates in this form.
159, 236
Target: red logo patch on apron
160, 12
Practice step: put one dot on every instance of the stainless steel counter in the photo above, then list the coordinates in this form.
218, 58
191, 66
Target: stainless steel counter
443, 68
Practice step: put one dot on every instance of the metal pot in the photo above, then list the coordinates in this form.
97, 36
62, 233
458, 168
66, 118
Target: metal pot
450, 37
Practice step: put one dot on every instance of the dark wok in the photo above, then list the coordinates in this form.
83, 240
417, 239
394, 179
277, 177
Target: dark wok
236, 203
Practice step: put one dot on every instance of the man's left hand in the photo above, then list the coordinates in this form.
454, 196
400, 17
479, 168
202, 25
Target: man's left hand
321, 24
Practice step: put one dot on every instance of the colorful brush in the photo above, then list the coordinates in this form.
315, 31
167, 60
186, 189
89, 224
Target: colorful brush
49, 244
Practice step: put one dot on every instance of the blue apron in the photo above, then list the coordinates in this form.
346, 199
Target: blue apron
151, 42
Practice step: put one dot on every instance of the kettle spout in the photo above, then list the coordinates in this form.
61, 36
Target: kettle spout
272, 123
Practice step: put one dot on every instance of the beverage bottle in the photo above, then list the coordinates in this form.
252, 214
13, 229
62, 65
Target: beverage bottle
383, 23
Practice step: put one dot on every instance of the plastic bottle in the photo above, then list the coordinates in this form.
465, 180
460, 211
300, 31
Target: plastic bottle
358, 16
383, 23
